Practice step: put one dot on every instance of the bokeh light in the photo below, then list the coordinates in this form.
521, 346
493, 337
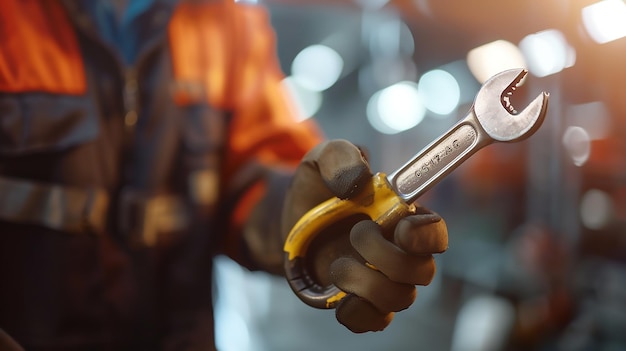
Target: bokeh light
317, 67
547, 52
482, 323
389, 38
307, 101
593, 116
578, 144
596, 209
440, 91
396, 108
487, 60
605, 20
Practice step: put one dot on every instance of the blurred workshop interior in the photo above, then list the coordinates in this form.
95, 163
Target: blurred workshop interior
537, 228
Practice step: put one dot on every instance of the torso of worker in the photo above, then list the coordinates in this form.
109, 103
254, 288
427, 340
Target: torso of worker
120, 170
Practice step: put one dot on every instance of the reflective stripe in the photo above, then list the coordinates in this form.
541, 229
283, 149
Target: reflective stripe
149, 219
146, 219
68, 209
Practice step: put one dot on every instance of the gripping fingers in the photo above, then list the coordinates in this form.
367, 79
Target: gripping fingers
422, 234
352, 276
360, 316
366, 237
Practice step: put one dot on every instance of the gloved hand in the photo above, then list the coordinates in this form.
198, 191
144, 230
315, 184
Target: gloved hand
345, 253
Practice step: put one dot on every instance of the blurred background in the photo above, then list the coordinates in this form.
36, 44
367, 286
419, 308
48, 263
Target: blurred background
537, 228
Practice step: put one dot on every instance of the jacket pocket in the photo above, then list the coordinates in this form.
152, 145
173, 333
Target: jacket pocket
40, 183
203, 136
38, 122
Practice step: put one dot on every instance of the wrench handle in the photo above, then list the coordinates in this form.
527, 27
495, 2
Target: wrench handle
377, 200
439, 158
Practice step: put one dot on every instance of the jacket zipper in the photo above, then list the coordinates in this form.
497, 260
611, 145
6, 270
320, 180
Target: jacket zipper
130, 96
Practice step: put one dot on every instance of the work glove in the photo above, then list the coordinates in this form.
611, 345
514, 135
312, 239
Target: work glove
378, 275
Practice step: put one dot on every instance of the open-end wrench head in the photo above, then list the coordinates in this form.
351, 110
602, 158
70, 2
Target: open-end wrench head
498, 121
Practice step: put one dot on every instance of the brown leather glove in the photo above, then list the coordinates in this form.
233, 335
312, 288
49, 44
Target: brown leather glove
344, 253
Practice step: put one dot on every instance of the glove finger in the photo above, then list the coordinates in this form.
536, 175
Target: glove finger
353, 277
422, 234
342, 166
367, 238
360, 316
332, 168
326, 248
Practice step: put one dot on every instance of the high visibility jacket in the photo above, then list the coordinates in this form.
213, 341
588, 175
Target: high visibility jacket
118, 184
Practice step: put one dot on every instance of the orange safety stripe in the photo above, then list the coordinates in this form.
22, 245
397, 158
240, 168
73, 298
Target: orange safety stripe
38, 49
199, 55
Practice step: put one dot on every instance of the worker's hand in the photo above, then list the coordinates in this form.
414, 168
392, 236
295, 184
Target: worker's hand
378, 275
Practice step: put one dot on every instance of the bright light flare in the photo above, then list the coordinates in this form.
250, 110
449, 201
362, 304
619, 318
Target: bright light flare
487, 60
605, 21
440, 91
396, 108
547, 52
317, 67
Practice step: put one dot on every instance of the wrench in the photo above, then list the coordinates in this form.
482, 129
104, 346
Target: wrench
387, 199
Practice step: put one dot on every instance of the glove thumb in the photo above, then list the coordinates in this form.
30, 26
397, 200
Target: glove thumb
333, 168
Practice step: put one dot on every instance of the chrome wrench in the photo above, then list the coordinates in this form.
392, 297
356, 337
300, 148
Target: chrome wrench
488, 121
387, 199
